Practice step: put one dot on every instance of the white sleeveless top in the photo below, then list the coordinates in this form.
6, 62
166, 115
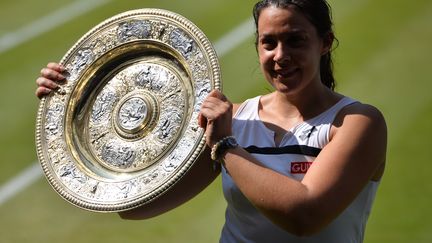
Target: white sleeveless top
297, 150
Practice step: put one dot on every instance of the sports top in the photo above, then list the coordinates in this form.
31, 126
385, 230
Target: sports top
296, 152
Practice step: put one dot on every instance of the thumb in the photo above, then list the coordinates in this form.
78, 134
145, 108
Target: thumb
202, 121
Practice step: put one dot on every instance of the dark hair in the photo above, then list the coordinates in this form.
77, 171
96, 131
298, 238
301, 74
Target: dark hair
318, 12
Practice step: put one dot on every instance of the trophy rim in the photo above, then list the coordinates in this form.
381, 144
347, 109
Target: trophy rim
146, 198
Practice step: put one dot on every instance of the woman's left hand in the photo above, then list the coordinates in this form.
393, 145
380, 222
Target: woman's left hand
216, 117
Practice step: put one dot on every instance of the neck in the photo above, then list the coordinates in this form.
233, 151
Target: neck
303, 106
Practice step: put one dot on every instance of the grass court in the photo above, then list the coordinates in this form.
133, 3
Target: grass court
383, 59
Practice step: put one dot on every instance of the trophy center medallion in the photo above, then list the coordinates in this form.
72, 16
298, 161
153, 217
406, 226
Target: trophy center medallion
132, 114
136, 115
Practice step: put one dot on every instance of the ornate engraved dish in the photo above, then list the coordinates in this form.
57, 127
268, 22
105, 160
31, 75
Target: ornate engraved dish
123, 129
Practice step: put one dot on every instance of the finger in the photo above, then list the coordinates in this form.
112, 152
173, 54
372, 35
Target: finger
46, 83
218, 94
42, 91
211, 102
211, 114
215, 101
51, 74
56, 66
216, 105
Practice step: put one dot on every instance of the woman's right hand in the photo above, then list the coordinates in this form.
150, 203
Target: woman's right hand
51, 76
216, 117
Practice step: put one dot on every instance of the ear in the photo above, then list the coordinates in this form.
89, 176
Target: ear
327, 43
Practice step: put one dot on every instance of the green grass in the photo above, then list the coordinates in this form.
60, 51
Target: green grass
382, 59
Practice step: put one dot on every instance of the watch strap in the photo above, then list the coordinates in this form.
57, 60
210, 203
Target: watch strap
220, 148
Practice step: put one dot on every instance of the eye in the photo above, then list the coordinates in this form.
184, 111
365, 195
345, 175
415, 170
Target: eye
268, 43
296, 41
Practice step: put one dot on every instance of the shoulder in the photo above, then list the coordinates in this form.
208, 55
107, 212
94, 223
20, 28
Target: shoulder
237, 107
358, 122
360, 131
359, 112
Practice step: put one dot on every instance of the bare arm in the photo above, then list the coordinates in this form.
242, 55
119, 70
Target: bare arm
353, 157
336, 177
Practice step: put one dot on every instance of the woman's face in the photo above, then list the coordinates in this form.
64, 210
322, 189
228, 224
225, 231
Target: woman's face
289, 49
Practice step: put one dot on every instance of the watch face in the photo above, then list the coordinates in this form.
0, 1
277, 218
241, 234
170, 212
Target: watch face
231, 142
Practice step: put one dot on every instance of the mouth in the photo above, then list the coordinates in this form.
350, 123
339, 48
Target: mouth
285, 73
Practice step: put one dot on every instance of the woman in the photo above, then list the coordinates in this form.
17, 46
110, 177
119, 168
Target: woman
303, 163
270, 178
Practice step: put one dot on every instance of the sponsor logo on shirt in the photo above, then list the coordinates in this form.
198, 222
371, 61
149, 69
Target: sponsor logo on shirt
300, 167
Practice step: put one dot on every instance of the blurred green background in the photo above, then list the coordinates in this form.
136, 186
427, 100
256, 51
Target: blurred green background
383, 58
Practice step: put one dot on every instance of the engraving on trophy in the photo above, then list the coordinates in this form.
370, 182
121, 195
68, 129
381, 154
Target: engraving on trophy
159, 28
98, 135
118, 155
135, 29
94, 187
172, 163
53, 120
150, 177
199, 66
173, 90
81, 60
56, 153
170, 124
104, 43
152, 77
132, 113
181, 42
135, 115
72, 176
178, 156
162, 31
66, 170
128, 188
102, 106
161, 81
202, 90
149, 150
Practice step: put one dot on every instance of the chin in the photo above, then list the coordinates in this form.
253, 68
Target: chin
287, 85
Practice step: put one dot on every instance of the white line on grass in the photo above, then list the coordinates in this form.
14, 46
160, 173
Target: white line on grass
47, 23
223, 46
235, 37
20, 182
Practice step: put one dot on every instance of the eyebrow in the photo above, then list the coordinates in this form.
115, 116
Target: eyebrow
291, 32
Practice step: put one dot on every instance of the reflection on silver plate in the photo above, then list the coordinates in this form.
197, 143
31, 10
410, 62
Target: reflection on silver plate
123, 129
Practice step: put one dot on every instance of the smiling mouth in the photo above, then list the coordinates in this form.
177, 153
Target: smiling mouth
285, 73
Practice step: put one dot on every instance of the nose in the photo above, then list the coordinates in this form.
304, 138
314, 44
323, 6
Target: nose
282, 54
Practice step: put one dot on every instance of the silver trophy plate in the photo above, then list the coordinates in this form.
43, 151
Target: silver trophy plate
124, 127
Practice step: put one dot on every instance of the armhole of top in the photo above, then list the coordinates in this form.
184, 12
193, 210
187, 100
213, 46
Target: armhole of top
348, 102
241, 107
237, 108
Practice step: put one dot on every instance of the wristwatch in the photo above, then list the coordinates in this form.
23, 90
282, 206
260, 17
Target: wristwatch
220, 148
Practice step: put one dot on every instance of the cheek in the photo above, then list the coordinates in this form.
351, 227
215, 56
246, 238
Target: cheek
265, 59
265, 62
306, 59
